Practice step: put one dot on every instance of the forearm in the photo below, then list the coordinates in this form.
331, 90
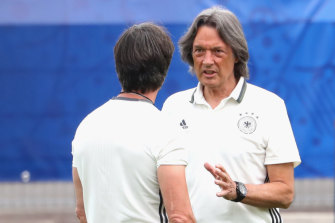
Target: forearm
278, 193
181, 218
80, 210
269, 195
175, 195
81, 215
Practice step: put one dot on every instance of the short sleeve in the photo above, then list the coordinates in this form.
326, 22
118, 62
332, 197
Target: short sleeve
172, 151
281, 147
74, 156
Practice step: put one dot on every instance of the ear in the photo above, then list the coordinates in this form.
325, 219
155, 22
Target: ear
235, 58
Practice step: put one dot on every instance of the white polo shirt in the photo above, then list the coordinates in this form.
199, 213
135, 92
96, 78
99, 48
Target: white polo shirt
116, 150
245, 132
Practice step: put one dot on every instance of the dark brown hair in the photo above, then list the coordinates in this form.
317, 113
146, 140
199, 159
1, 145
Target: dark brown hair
142, 57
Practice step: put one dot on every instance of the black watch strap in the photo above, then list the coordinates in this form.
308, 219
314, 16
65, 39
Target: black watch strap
241, 191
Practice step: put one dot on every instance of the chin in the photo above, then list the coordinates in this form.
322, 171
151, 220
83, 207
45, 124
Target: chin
208, 82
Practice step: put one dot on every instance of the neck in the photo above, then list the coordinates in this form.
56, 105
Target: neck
150, 96
214, 95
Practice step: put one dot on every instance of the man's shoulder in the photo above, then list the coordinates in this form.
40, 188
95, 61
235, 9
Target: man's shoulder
96, 116
98, 111
262, 94
179, 98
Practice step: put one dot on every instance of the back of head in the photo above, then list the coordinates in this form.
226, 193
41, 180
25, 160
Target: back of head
142, 57
230, 31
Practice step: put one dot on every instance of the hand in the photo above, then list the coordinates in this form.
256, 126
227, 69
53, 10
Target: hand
223, 180
82, 220
81, 215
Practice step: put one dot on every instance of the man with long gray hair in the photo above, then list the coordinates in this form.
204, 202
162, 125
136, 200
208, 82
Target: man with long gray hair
241, 128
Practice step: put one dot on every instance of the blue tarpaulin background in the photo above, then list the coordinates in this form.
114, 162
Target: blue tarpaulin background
56, 66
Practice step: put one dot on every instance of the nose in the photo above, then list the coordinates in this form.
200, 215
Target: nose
208, 58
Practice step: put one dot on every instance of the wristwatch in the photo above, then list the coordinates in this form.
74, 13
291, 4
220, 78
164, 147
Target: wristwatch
241, 191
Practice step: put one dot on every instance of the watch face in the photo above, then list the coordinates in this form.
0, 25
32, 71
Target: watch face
243, 189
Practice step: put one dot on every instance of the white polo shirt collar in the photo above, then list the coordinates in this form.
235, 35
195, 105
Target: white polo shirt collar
237, 94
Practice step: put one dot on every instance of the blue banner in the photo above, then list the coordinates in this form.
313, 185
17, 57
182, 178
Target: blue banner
56, 66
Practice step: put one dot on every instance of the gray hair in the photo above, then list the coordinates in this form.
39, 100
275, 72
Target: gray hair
230, 31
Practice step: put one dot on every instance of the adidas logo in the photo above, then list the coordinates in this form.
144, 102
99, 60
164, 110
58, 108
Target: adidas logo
183, 124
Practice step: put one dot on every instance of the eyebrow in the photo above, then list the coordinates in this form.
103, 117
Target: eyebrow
218, 47
197, 46
213, 48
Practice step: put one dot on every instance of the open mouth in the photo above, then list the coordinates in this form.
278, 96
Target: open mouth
209, 73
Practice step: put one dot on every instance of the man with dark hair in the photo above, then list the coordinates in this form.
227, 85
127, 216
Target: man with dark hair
242, 128
128, 165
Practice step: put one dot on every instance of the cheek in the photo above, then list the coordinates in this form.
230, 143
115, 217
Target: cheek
196, 63
226, 65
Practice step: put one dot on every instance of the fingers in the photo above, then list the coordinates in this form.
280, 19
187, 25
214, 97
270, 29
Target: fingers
210, 169
223, 180
222, 175
220, 167
221, 172
222, 193
218, 171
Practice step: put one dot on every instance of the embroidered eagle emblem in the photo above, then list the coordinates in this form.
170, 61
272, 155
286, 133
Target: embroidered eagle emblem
247, 123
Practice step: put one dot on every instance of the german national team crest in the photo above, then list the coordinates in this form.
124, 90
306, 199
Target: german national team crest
247, 123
